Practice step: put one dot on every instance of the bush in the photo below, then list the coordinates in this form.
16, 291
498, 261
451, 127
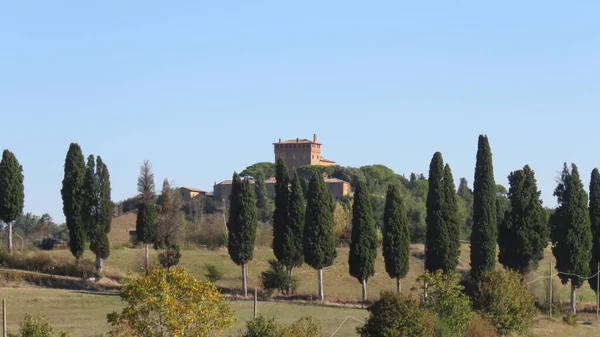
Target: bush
37, 326
479, 327
172, 302
570, 319
213, 272
277, 278
304, 327
268, 327
262, 327
505, 301
42, 262
397, 315
445, 297
170, 257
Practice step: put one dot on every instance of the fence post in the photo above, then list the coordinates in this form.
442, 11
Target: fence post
3, 317
550, 289
255, 301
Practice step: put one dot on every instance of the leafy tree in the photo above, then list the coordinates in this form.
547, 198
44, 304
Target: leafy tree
363, 246
262, 327
37, 326
170, 302
306, 172
437, 244
505, 301
28, 223
502, 204
319, 242
524, 234
73, 197
260, 189
485, 232
396, 315
278, 278
12, 194
169, 224
450, 219
292, 251
281, 213
396, 237
145, 223
446, 298
595, 224
242, 225
267, 169
571, 233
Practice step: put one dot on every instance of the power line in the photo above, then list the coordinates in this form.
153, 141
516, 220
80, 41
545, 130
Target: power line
339, 327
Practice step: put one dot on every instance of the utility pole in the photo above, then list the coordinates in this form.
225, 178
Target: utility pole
255, 302
550, 289
3, 317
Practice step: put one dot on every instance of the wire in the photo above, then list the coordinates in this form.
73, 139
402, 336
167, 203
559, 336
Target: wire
561, 273
345, 319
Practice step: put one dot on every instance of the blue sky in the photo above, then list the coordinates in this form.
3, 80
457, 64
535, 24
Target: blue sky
202, 89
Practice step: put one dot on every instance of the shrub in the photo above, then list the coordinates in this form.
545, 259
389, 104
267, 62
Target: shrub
504, 300
479, 327
170, 257
170, 302
262, 327
42, 262
570, 319
213, 272
304, 327
277, 278
445, 297
37, 326
397, 315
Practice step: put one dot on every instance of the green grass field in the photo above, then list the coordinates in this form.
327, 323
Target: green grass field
84, 313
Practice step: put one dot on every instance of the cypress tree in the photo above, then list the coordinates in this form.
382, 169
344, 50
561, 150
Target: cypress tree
281, 213
396, 236
145, 223
12, 193
485, 231
73, 197
292, 252
243, 220
436, 237
363, 244
524, 233
571, 230
261, 190
595, 225
450, 219
97, 210
319, 241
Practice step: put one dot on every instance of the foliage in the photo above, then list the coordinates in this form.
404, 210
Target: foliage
445, 297
43, 262
363, 245
319, 241
281, 214
145, 224
170, 302
262, 327
213, 272
169, 224
396, 244
268, 327
465, 195
524, 233
397, 315
503, 298
145, 183
292, 251
437, 240
170, 257
595, 224
479, 327
242, 221
502, 204
303, 327
37, 326
306, 172
571, 232
260, 189
30, 223
278, 278
342, 218
72, 196
267, 169
451, 220
485, 232
12, 195
570, 319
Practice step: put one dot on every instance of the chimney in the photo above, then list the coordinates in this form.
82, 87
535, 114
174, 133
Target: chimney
297, 140
280, 140
315, 138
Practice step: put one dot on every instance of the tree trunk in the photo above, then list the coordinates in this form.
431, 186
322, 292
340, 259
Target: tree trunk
398, 285
244, 285
320, 280
364, 290
573, 307
146, 263
98, 263
10, 243
290, 289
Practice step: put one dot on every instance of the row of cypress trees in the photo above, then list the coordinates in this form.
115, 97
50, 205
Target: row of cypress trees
87, 204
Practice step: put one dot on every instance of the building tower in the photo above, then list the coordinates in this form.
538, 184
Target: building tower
299, 152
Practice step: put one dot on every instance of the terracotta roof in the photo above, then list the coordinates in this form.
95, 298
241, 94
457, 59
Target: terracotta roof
335, 180
326, 160
297, 141
193, 189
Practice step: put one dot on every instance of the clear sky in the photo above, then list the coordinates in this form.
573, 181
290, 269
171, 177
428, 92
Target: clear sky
203, 88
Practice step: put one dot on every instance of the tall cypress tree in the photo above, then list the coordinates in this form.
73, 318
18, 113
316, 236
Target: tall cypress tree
595, 225
12, 193
436, 237
292, 252
396, 236
261, 190
485, 231
243, 220
97, 210
524, 233
363, 243
450, 219
73, 196
145, 223
319, 241
571, 230
281, 213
